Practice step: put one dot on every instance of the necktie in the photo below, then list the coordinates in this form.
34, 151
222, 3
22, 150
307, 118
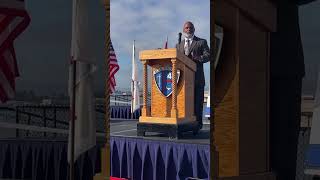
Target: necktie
187, 48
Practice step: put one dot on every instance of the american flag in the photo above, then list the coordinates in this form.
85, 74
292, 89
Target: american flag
13, 21
113, 68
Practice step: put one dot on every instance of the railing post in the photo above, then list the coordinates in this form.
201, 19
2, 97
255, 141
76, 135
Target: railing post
29, 120
55, 119
17, 121
44, 120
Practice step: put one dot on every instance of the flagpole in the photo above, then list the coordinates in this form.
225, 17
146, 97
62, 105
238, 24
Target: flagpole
73, 104
132, 91
132, 80
106, 172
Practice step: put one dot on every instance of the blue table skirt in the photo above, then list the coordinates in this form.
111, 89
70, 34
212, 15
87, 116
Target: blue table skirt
130, 157
44, 160
124, 112
148, 159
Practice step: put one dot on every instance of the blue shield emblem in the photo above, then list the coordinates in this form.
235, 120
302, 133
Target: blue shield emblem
163, 79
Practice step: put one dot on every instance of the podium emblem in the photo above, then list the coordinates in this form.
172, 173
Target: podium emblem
163, 79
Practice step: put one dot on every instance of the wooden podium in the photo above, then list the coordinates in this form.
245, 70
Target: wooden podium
172, 94
241, 89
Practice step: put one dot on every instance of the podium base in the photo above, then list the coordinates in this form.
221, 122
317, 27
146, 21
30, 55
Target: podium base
174, 131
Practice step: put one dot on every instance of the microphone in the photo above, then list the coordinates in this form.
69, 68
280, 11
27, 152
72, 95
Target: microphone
179, 40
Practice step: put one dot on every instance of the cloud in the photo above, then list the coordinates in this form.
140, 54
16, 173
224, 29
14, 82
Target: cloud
149, 22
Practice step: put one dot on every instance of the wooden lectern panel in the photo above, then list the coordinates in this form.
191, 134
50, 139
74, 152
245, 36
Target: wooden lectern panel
253, 90
241, 87
155, 55
162, 109
160, 104
225, 93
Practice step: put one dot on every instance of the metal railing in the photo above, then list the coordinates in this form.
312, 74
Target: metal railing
119, 99
44, 116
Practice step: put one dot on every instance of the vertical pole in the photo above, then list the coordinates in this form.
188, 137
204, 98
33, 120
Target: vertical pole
132, 96
174, 113
214, 156
29, 121
55, 119
107, 165
105, 151
73, 100
44, 120
17, 121
145, 88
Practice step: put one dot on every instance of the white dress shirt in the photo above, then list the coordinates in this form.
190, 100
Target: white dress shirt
190, 41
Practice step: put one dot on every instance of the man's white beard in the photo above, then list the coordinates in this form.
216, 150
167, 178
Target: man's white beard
187, 35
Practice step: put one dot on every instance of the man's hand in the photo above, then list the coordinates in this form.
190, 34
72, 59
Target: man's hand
197, 58
205, 57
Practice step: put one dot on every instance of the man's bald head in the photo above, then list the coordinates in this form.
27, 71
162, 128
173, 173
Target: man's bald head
188, 28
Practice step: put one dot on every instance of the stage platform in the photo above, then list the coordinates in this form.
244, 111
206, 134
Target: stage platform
128, 128
156, 156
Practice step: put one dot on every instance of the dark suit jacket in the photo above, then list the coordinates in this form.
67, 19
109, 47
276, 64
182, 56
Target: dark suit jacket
200, 54
286, 53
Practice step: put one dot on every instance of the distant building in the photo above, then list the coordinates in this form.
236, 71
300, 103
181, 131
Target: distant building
307, 105
46, 102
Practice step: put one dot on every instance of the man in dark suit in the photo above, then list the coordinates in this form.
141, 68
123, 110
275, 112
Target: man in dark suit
196, 49
286, 73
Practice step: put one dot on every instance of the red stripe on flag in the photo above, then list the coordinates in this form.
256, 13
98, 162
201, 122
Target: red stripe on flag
13, 22
113, 68
7, 71
13, 12
5, 23
3, 94
16, 32
13, 53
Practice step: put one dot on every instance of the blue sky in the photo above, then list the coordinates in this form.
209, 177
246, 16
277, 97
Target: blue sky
149, 22
43, 50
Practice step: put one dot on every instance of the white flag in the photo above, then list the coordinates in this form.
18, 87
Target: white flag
315, 129
135, 102
81, 52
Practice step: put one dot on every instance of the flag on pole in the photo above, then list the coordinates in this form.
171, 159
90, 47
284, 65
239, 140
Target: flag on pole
113, 68
81, 53
135, 100
14, 19
166, 44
